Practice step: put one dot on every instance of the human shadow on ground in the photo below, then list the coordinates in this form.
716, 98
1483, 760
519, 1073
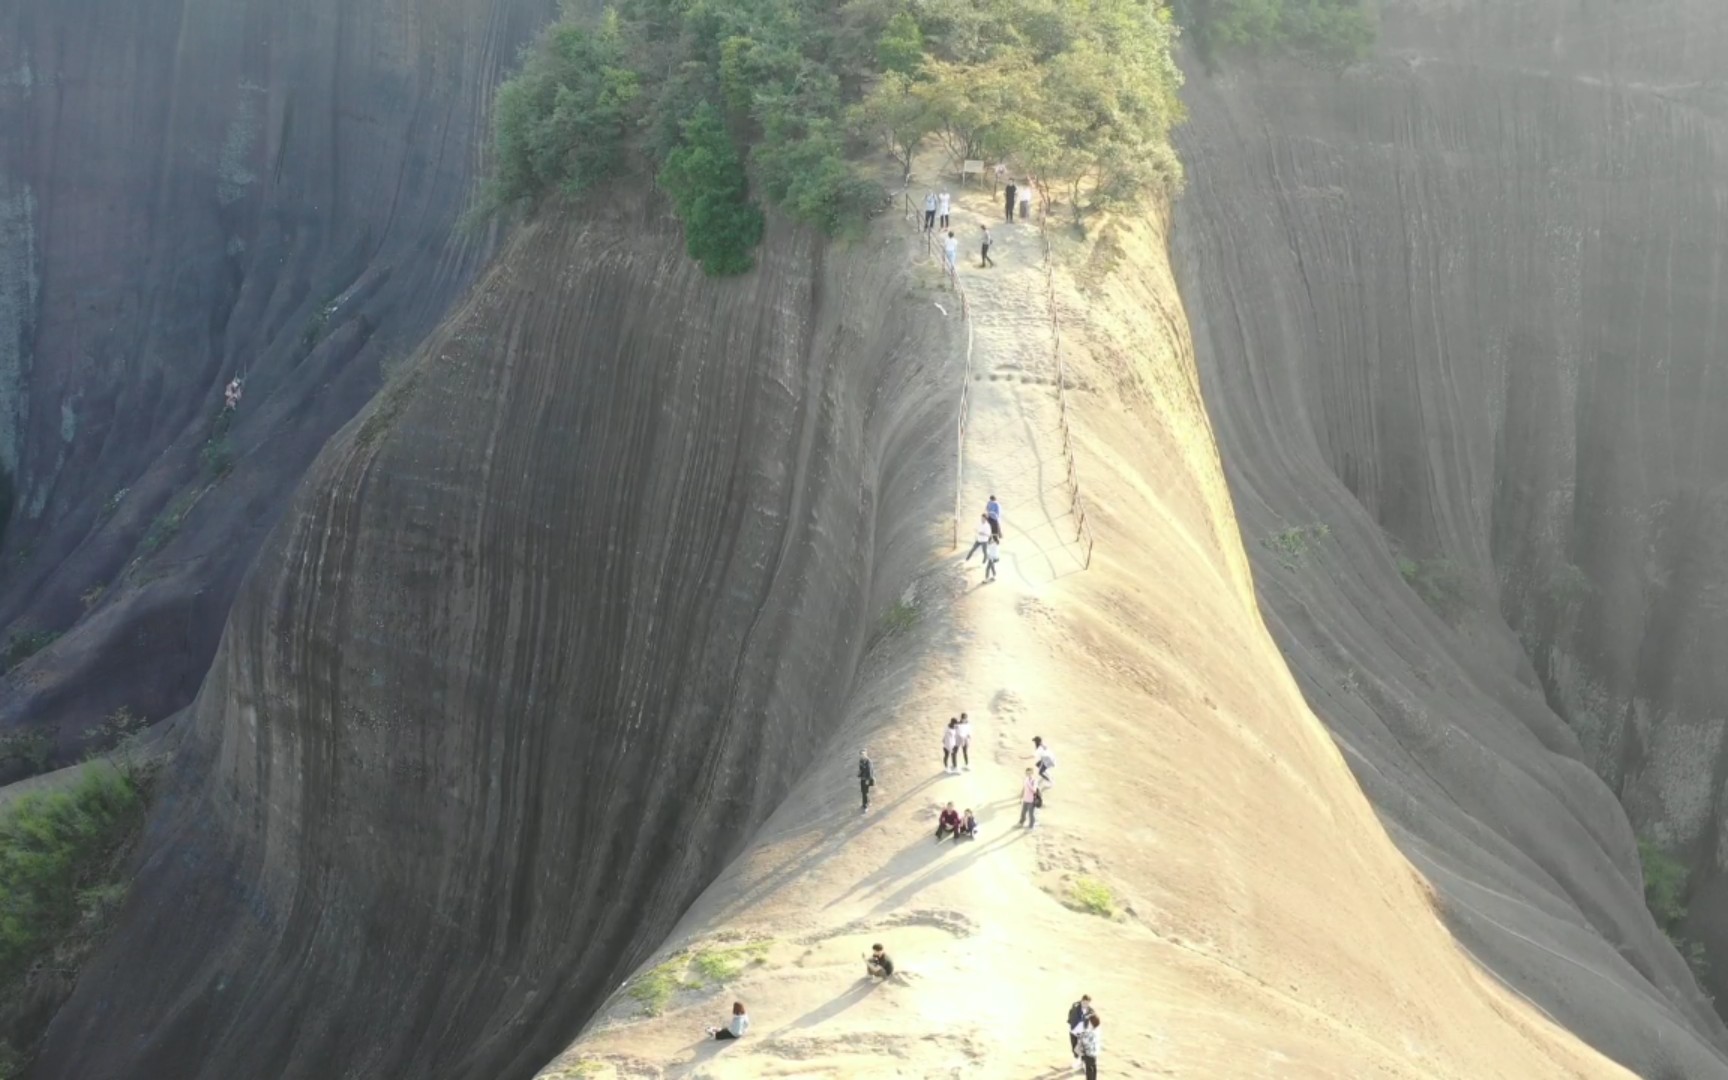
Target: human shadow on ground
859, 990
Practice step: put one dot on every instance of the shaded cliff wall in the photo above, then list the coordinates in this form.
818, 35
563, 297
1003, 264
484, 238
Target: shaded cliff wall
192, 190
552, 625
1464, 302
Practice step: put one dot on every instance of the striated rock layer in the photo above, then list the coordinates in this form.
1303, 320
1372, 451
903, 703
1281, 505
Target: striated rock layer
552, 626
190, 191
1465, 304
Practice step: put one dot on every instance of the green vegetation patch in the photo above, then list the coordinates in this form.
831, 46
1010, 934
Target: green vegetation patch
62, 878
1665, 880
23, 644
695, 969
1092, 896
899, 618
167, 523
1440, 584
722, 965
1292, 545
775, 99
1330, 32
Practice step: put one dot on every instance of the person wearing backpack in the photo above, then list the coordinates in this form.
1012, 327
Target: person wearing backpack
1029, 801
866, 779
1078, 1014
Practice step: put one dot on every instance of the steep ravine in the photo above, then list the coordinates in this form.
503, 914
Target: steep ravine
552, 626
1464, 304
191, 191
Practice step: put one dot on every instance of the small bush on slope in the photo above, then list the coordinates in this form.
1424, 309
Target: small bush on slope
1665, 879
61, 881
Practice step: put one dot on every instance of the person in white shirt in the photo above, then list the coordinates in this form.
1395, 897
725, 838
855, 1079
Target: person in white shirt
1046, 760
951, 746
1026, 199
942, 207
736, 1029
929, 211
980, 538
965, 731
992, 552
950, 251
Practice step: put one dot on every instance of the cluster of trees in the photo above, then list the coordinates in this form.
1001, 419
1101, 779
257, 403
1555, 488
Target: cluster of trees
1330, 31
733, 100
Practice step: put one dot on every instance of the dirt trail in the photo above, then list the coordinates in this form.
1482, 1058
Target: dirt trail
1263, 925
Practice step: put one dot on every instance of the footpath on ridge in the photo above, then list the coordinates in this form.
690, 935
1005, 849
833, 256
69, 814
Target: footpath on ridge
1257, 922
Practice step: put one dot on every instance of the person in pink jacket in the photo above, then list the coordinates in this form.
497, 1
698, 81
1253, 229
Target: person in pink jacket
1029, 800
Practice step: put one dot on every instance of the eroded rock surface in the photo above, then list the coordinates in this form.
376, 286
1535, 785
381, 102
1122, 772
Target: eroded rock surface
190, 191
1465, 304
552, 625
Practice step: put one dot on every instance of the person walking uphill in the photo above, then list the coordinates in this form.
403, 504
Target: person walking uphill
984, 253
993, 514
866, 779
951, 746
1089, 1044
1009, 198
929, 211
1078, 1014
1030, 800
942, 208
980, 537
992, 555
950, 252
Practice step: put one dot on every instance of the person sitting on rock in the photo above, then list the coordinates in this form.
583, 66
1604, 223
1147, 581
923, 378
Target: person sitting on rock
736, 1029
948, 822
877, 965
968, 827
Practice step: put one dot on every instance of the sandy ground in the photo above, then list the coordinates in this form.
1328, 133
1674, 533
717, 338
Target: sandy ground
1264, 926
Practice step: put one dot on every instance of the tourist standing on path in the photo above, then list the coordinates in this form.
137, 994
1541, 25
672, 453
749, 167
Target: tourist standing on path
966, 740
951, 746
950, 252
993, 514
866, 779
736, 1029
992, 552
1078, 1014
1089, 1044
1026, 200
985, 260
1009, 198
1029, 800
1046, 760
929, 210
942, 207
980, 537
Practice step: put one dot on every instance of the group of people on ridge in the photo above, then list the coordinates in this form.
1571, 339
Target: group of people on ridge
988, 538
937, 207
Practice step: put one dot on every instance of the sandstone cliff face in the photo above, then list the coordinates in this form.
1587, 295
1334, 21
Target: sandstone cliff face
553, 624
192, 190
1466, 303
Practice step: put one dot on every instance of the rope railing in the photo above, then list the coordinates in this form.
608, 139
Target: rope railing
914, 214
1077, 502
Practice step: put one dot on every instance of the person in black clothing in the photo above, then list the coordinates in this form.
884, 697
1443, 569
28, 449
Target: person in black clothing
866, 779
1011, 196
876, 964
1077, 1015
986, 260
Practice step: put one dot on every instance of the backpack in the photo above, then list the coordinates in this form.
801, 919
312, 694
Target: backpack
1038, 798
